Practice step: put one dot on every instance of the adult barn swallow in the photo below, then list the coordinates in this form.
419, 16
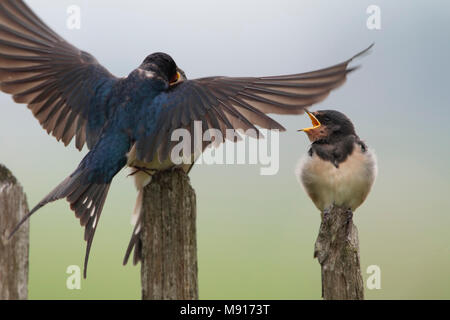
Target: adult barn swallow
339, 168
128, 121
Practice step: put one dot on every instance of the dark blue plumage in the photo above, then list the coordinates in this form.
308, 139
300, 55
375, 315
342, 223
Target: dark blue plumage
129, 121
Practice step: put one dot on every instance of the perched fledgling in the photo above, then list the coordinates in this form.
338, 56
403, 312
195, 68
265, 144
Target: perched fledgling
339, 168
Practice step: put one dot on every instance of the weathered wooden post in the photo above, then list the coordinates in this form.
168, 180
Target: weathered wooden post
13, 252
169, 239
337, 249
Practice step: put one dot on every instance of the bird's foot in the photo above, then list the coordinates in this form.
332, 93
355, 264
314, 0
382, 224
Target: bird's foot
326, 214
348, 222
349, 214
148, 171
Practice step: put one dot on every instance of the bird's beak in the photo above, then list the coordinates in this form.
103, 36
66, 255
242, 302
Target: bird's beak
182, 74
316, 124
175, 79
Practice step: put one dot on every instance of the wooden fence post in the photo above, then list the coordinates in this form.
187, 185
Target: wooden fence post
169, 243
13, 253
337, 249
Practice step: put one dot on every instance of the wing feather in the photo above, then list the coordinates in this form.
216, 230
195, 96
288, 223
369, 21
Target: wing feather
240, 103
58, 82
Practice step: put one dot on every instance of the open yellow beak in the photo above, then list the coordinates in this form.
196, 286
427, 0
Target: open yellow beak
316, 124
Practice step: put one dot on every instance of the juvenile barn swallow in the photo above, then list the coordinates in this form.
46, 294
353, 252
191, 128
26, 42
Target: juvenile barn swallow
128, 121
339, 168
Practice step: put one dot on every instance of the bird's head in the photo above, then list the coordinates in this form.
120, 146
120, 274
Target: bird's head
163, 66
328, 125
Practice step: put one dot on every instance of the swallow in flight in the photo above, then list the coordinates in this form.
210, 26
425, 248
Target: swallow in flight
128, 121
339, 168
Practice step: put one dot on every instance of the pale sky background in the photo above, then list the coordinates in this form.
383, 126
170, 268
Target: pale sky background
256, 234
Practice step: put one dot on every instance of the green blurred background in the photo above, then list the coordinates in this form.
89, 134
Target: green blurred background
256, 233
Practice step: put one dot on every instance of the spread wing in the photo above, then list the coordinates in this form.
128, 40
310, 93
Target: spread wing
64, 87
233, 103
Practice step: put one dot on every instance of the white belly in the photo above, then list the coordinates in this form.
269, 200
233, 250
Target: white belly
142, 179
346, 186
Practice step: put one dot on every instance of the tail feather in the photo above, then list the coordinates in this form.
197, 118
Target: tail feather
135, 241
86, 200
90, 212
134, 244
61, 191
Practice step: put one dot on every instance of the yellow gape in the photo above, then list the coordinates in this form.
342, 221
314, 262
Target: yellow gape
175, 79
316, 124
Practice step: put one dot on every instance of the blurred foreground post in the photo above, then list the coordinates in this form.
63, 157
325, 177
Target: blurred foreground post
169, 243
13, 253
337, 249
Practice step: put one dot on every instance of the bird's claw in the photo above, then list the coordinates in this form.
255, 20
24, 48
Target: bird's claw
148, 171
348, 223
349, 213
326, 215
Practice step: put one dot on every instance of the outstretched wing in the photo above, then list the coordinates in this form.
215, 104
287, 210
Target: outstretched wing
64, 87
233, 103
